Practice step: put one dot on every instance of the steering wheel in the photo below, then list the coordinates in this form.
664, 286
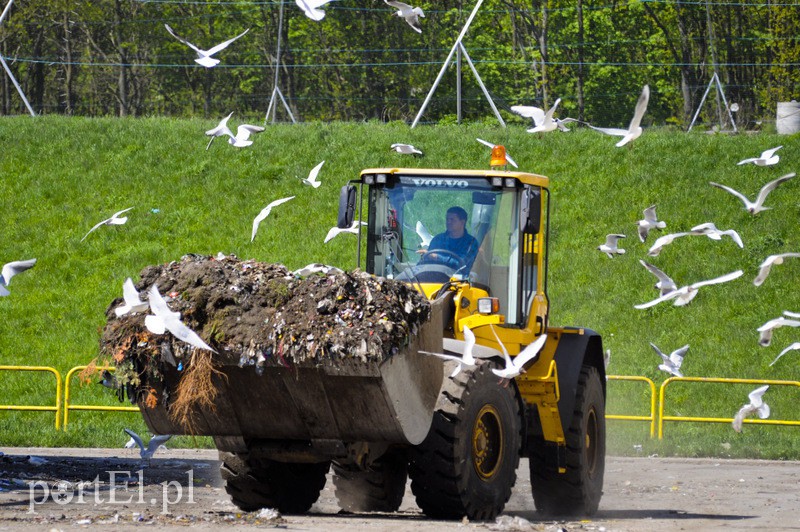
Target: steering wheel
461, 263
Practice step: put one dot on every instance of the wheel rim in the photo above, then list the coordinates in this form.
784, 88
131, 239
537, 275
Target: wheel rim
591, 441
487, 442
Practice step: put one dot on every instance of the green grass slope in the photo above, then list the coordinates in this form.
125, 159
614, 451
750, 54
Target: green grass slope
60, 176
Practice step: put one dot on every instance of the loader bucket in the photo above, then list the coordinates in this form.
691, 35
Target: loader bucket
347, 399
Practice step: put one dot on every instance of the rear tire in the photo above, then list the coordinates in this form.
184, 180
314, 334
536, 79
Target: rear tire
380, 489
578, 491
254, 483
466, 466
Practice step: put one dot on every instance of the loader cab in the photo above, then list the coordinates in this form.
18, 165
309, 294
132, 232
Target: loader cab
506, 215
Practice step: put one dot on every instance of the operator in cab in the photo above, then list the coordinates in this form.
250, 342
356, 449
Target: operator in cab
455, 247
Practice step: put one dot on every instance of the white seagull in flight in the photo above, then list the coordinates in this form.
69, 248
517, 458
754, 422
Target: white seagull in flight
408, 13
662, 241
755, 207
312, 176
634, 130
334, 231
756, 405
794, 347
114, 220
649, 222
467, 360
220, 130
766, 266
538, 116
311, 8
204, 56
163, 319
766, 330
516, 366
685, 294
152, 446
242, 137
133, 302
406, 149
672, 363
767, 158
11, 269
610, 247
710, 230
665, 283
264, 213
424, 235
547, 123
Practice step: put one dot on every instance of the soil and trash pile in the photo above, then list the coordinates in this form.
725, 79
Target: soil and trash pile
260, 314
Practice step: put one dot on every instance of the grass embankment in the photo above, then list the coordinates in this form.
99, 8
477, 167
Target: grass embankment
60, 176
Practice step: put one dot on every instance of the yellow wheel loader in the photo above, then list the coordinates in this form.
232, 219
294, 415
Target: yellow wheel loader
458, 426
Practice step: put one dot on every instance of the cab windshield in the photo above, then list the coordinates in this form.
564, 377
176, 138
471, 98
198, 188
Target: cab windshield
415, 232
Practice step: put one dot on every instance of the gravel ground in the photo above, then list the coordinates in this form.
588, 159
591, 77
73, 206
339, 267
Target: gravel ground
641, 494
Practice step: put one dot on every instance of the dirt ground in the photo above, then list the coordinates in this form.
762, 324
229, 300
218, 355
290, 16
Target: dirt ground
182, 488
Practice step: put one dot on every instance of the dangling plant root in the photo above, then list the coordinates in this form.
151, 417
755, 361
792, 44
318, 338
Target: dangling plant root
196, 390
87, 375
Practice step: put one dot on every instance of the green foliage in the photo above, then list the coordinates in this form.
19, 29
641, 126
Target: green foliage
63, 175
361, 62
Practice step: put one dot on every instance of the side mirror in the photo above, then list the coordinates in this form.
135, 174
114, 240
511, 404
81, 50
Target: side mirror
347, 206
530, 212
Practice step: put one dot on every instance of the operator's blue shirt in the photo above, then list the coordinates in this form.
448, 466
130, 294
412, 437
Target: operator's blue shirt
465, 247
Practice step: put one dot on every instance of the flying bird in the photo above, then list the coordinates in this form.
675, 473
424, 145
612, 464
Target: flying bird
220, 130
423, 234
163, 319
538, 116
114, 220
152, 446
610, 247
548, 123
794, 347
767, 158
410, 14
515, 367
133, 302
685, 294
335, 231
204, 56
406, 149
242, 137
756, 405
710, 230
466, 360
649, 222
492, 146
10, 269
311, 8
766, 266
312, 176
634, 130
662, 241
665, 283
264, 213
672, 363
765, 337
758, 205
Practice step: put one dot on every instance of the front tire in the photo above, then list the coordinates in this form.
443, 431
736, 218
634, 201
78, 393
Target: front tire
254, 483
578, 491
466, 466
